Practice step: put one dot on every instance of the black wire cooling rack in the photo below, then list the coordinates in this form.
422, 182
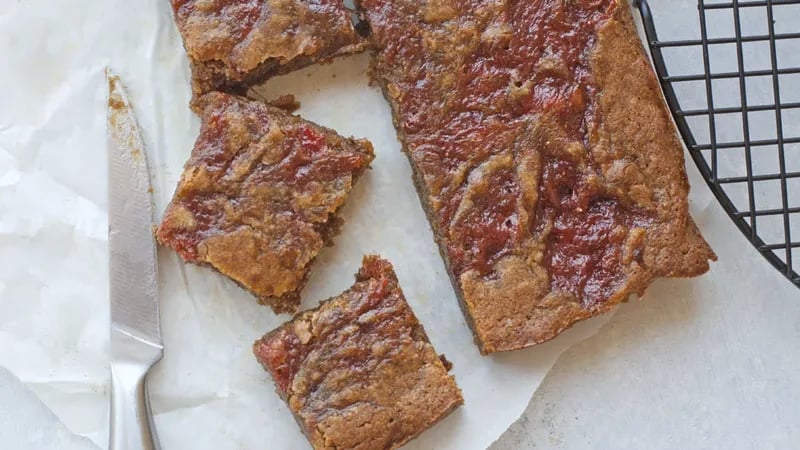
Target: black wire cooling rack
745, 138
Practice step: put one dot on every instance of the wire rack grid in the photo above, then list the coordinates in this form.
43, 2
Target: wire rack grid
743, 58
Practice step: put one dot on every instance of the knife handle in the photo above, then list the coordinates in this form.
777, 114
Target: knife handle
131, 425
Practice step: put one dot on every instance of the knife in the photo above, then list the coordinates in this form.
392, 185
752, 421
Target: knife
136, 343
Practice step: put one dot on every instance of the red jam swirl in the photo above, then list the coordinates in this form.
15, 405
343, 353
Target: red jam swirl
459, 108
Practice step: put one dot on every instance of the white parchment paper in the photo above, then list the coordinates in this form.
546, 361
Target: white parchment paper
208, 392
26, 423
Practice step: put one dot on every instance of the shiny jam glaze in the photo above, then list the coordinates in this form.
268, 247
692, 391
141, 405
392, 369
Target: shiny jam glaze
309, 160
488, 226
282, 354
208, 218
465, 89
585, 249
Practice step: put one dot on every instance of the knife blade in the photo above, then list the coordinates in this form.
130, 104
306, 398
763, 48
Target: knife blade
134, 294
136, 343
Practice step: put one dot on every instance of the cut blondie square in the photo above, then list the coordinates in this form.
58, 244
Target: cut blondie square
359, 372
258, 198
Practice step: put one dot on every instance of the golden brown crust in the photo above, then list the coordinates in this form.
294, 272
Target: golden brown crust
551, 175
234, 44
258, 197
635, 116
359, 372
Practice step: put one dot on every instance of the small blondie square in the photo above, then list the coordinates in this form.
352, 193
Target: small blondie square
258, 197
234, 44
359, 372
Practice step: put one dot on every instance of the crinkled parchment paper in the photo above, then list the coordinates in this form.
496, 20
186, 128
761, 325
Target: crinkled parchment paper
208, 392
